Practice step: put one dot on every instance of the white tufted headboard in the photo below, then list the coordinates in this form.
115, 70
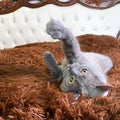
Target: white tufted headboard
27, 25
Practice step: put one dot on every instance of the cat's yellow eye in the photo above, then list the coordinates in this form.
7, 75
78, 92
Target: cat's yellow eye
83, 71
71, 80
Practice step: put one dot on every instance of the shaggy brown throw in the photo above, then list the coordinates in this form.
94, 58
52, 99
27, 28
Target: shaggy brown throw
29, 92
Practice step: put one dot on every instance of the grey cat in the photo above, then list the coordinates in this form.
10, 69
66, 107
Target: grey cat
80, 72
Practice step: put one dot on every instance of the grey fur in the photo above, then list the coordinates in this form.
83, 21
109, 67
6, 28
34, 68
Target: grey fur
94, 66
52, 65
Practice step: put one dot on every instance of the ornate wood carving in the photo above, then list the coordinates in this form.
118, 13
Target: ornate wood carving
7, 6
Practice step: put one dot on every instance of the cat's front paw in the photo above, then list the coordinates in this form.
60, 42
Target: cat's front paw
56, 30
52, 65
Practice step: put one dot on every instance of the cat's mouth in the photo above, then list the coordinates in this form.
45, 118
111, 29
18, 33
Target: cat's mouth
77, 94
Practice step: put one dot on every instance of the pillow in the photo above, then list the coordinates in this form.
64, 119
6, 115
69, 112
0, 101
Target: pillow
28, 90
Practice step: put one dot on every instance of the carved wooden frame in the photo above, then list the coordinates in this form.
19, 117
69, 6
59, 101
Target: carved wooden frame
8, 6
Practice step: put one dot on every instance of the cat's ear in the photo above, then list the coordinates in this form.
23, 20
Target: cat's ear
104, 87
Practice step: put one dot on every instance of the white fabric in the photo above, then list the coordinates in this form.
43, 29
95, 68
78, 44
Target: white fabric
28, 25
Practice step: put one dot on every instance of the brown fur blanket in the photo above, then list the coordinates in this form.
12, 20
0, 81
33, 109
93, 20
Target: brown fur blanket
29, 92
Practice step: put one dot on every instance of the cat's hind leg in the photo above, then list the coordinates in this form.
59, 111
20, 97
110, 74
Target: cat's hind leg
52, 65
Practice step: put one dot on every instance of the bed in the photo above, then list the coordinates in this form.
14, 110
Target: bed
27, 89
34, 18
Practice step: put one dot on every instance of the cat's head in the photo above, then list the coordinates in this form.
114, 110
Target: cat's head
81, 79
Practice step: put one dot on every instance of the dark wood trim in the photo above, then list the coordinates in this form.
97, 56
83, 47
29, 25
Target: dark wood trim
8, 6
